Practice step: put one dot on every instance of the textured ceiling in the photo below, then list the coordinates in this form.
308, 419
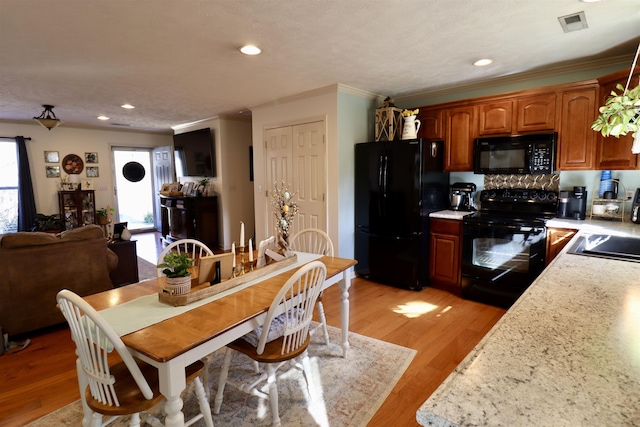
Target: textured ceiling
177, 61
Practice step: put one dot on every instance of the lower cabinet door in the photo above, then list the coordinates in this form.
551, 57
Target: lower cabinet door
444, 259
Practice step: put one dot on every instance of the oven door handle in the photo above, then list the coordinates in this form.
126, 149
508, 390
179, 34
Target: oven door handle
501, 227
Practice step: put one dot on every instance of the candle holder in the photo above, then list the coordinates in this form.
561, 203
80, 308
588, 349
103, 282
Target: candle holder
242, 271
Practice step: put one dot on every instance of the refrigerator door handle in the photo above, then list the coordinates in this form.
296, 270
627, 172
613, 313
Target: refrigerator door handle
380, 191
384, 179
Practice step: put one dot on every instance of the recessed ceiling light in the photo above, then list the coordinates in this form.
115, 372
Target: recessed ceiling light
250, 50
483, 62
589, 1
128, 106
103, 118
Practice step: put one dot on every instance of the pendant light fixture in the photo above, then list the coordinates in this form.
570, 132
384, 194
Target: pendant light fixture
48, 119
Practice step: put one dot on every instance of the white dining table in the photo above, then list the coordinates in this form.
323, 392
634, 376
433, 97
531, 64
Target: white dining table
174, 343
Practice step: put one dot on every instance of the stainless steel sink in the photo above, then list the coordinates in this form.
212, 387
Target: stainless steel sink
607, 246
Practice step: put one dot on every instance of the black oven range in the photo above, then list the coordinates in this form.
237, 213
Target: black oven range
504, 244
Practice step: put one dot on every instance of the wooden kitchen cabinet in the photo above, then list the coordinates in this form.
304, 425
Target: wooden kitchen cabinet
612, 152
461, 126
576, 140
432, 127
445, 254
77, 208
536, 113
557, 239
495, 118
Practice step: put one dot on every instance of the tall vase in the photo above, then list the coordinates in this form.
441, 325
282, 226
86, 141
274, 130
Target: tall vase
411, 127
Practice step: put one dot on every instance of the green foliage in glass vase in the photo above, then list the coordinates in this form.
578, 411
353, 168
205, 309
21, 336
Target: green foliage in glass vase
176, 265
620, 114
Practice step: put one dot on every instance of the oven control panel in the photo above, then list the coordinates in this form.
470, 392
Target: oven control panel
533, 201
515, 195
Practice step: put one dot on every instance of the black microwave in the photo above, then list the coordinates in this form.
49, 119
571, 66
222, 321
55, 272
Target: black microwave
520, 154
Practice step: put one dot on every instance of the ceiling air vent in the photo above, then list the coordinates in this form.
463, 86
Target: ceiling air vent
119, 124
573, 22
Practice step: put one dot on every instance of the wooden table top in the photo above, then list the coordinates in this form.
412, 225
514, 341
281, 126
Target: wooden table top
169, 338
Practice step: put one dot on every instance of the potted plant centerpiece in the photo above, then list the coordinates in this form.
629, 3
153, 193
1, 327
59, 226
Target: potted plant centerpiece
177, 269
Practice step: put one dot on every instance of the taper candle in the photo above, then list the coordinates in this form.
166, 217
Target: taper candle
250, 250
241, 234
233, 252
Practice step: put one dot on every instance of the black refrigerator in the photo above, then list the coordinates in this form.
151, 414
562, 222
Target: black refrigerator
397, 185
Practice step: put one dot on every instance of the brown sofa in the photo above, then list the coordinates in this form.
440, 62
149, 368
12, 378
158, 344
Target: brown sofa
35, 266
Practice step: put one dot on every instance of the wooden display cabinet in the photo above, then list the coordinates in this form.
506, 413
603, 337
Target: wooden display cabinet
77, 208
190, 218
446, 255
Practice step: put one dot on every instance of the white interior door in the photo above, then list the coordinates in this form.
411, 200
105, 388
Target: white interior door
309, 175
278, 167
296, 155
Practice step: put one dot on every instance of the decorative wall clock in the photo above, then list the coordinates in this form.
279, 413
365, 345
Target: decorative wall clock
72, 164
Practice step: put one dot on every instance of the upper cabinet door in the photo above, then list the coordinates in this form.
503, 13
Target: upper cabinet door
536, 113
460, 131
612, 152
431, 127
576, 140
495, 118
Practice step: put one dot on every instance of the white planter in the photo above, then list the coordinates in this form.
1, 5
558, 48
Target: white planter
179, 285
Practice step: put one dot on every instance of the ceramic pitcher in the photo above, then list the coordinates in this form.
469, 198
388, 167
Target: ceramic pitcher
411, 127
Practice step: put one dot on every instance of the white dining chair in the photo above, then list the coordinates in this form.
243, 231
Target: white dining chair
195, 248
284, 336
315, 241
128, 387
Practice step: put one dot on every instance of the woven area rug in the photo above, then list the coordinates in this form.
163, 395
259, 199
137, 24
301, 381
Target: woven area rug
347, 392
146, 270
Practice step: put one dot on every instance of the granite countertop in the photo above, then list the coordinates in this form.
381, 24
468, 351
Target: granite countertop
567, 353
450, 214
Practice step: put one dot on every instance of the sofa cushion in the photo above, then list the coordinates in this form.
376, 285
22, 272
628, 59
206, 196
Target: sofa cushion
23, 239
82, 233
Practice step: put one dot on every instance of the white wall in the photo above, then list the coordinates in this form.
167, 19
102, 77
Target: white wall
309, 107
232, 138
66, 140
348, 117
356, 124
236, 187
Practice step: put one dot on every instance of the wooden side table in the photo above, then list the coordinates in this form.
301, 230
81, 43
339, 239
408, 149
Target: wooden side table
127, 270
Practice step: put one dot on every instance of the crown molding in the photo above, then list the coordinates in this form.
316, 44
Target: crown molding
516, 78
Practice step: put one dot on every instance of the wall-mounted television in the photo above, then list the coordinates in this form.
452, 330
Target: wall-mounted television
194, 153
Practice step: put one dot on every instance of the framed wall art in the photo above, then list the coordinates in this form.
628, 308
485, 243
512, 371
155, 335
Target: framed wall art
72, 164
53, 171
92, 172
51, 157
91, 157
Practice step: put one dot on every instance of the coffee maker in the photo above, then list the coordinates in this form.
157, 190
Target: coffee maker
573, 204
462, 196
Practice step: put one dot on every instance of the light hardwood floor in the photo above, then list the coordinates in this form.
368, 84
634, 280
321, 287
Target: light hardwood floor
441, 327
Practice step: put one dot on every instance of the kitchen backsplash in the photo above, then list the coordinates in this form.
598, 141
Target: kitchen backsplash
538, 182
